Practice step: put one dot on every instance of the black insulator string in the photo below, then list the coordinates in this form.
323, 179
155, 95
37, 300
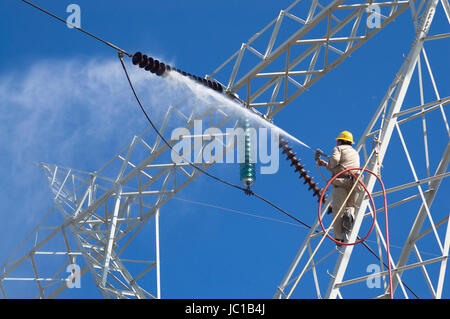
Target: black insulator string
159, 68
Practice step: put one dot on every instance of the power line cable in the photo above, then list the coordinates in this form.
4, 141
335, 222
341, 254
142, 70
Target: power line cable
235, 211
78, 28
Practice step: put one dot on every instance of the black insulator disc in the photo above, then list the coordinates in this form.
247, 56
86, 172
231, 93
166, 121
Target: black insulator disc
137, 57
219, 87
210, 84
161, 69
155, 66
205, 82
184, 73
149, 65
214, 86
168, 68
143, 61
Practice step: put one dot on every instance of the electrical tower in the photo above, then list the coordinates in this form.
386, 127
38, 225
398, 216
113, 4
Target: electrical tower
104, 211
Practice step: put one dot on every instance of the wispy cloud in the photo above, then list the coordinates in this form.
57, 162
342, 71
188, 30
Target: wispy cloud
79, 114
60, 105
76, 113
70, 112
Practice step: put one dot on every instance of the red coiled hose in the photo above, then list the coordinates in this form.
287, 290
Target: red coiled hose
349, 170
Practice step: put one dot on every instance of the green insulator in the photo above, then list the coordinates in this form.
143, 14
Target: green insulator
248, 167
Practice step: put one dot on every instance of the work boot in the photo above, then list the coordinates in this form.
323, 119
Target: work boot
347, 221
340, 240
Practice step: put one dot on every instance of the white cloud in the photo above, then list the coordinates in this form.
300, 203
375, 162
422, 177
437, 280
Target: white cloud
74, 113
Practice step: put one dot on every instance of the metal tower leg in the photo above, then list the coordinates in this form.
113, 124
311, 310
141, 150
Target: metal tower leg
387, 115
400, 87
419, 221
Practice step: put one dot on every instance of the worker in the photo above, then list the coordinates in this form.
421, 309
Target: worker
343, 156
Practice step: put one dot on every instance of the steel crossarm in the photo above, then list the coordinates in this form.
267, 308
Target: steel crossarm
269, 71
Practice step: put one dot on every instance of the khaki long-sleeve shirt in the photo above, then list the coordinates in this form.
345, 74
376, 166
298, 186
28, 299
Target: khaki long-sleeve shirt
342, 157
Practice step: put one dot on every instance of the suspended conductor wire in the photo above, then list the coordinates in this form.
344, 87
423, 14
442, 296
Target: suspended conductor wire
79, 29
235, 211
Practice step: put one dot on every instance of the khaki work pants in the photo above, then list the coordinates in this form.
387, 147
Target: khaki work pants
341, 188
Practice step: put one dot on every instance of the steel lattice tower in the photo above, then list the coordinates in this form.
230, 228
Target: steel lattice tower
104, 211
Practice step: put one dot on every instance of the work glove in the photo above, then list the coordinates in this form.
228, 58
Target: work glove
317, 154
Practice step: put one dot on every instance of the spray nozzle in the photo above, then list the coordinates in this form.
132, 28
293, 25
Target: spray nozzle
318, 153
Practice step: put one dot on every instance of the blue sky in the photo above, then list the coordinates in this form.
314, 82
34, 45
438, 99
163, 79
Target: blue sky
63, 100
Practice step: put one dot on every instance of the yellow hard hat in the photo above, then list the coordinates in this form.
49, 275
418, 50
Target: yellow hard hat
345, 136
